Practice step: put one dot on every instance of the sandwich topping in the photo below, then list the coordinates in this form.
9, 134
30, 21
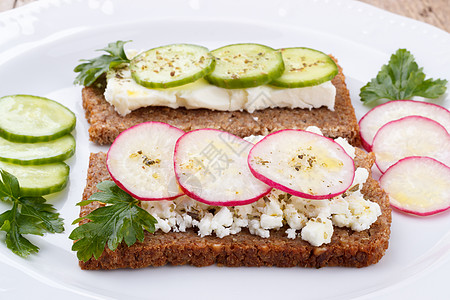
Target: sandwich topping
232, 78
309, 219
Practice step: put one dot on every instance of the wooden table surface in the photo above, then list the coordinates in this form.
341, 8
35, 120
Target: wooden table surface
434, 12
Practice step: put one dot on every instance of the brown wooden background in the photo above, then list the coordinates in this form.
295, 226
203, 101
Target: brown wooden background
434, 12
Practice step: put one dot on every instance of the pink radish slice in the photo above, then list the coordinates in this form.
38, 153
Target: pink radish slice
371, 122
302, 163
418, 185
211, 167
140, 161
410, 136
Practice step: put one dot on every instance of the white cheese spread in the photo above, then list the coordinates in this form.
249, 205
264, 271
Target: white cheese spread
126, 95
310, 220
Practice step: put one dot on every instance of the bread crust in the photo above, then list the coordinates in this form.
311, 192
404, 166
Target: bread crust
347, 248
107, 124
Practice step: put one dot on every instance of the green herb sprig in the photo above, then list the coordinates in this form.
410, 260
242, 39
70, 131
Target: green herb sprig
28, 215
92, 69
120, 220
401, 79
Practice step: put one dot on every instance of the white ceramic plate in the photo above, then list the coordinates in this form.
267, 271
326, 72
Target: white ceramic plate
42, 42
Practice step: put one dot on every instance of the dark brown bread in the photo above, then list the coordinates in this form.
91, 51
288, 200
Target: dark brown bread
106, 124
347, 248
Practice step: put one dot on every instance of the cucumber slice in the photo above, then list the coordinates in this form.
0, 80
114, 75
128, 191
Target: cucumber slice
39, 180
245, 65
37, 153
171, 65
305, 67
29, 119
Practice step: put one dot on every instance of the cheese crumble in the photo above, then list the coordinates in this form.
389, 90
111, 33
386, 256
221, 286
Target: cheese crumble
310, 220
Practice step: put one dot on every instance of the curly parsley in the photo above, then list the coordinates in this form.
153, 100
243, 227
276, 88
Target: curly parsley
401, 78
92, 69
121, 220
28, 215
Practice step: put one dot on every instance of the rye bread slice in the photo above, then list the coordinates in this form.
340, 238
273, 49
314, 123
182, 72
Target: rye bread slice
107, 124
347, 248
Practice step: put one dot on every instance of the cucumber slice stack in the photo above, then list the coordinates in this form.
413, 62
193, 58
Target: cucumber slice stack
35, 139
234, 66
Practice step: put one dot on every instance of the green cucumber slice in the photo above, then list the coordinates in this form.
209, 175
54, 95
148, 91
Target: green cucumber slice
305, 67
171, 65
29, 119
37, 153
39, 180
245, 65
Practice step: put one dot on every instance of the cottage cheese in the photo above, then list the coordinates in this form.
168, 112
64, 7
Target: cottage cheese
126, 95
311, 220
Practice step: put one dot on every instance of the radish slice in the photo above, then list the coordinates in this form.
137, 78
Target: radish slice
410, 136
140, 161
371, 122
418, 185
211, 167
302, 163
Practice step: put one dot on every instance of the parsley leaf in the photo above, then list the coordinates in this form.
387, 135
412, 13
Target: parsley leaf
92, 69
121, 220
43, 213
28, 215
401, 78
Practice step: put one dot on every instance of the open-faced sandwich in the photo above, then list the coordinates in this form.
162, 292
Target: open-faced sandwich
260, 92
205, 170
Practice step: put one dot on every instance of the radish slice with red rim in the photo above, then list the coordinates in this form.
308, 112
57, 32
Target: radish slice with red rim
371, 122
211, 167
140, 161
410, 136
302, 163
418, 185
